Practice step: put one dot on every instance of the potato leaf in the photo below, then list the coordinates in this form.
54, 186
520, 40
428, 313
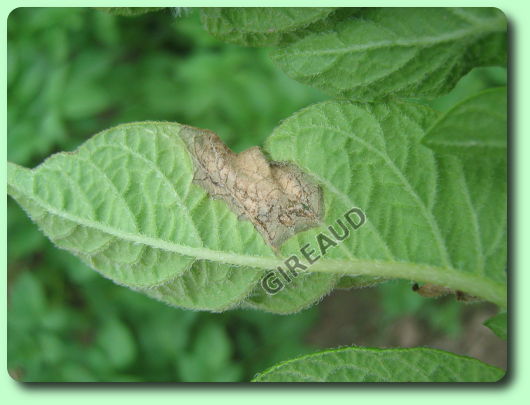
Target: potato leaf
129, 11
126, 204
499, 325
478, 124
259, 26
406, 52
356, 364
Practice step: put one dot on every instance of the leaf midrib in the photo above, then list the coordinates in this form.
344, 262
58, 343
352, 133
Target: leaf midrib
445, 276
463, 34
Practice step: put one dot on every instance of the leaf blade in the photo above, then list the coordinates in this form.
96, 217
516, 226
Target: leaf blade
165, 264
380, 166
479, 122
396, 52
355, 364
259, 26
138, 236
499, 325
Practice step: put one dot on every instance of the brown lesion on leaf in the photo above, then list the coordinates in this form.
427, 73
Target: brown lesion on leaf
276, 197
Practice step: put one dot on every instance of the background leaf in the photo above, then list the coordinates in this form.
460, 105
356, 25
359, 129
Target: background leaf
406, 52
209, 358
476, 125
129, 11
499, 325
259, 26
355, 364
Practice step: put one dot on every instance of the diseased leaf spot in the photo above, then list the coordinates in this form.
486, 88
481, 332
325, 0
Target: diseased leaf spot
276, 197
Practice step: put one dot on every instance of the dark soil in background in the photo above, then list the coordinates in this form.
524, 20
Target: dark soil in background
353, 318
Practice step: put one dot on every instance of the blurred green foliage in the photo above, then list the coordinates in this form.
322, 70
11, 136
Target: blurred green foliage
73, 72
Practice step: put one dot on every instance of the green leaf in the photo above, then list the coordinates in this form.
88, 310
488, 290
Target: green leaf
477, 80
355, 364
129, 11
436, 217
124, 203
476, 125
117, 343
27, 300
499, 325
406, 52
259, 26
209, 357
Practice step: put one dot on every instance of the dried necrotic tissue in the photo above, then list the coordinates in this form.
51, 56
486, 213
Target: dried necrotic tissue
276, 197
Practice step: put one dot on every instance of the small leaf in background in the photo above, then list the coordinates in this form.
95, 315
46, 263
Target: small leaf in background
28, 302
499, 325
406, 52
117, 343
357, 364
475, 125
85, 95
209, 357
259, 26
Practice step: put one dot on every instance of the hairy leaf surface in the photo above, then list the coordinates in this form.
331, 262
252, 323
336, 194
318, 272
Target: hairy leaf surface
355, 364
124, 203
407, 52
476, 125
429, 216
259, 26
